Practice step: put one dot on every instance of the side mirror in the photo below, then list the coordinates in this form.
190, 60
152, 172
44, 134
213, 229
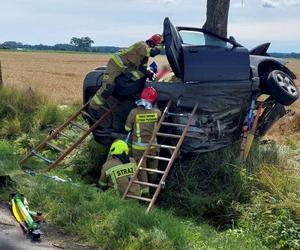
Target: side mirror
232, 39
234, 42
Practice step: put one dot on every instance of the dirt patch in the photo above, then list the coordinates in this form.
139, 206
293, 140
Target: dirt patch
12, 237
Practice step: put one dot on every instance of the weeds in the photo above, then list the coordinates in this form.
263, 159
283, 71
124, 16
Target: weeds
26, 112
257, 203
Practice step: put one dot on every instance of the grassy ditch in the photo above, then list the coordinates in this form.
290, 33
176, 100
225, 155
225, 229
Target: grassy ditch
210, 201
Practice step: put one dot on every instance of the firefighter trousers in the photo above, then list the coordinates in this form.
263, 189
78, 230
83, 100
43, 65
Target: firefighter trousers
112, 71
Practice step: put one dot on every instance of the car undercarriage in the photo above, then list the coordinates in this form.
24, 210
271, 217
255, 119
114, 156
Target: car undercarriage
219, 74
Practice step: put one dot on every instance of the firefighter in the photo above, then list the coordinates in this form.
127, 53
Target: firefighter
141, 123
127, 65
118, 169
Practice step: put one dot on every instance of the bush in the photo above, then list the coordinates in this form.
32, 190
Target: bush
10, 127
27, 112
274, 211
206, 186
8, 158
87, 163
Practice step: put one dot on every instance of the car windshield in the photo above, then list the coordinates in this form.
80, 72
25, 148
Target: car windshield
198, 38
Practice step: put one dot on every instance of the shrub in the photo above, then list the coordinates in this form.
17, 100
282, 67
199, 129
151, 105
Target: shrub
27, 112
8, 158
207, 185
87, 163
274, 211
10, 127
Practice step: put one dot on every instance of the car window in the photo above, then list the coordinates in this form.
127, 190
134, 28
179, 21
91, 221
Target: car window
198, 38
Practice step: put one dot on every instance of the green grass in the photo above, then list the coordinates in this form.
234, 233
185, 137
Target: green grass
211, 201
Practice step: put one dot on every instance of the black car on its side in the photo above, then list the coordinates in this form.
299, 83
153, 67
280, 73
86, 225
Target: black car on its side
218, 73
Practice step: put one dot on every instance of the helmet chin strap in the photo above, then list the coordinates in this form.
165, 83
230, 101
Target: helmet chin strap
144, 103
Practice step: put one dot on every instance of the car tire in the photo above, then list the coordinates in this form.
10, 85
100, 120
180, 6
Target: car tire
282, 87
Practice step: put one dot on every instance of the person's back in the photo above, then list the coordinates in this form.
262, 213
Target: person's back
117, 175
127, 65
142, 122
135, 55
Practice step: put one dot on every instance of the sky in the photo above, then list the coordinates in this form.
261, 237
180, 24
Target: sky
122, 22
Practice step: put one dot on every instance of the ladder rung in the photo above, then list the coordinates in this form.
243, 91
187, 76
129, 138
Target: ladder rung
157, 158
138, 198
146, 184
177, 114
152, 170
66, 136
42, 157
163, 146
78, 126
168, 135
173, 124
55, 147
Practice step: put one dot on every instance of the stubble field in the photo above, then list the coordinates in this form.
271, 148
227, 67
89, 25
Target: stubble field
59, 76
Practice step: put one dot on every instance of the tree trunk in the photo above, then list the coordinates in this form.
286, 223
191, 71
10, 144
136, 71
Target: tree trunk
1, 79
217, 16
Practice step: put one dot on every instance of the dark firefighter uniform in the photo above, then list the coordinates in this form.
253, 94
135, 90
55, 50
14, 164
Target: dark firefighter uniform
141, 122
132, 60
117, 175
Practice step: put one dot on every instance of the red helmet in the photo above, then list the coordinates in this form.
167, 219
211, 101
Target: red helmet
156, 39
149, 94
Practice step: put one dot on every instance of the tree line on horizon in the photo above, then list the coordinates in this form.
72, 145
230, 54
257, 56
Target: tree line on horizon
84, 44
76, 44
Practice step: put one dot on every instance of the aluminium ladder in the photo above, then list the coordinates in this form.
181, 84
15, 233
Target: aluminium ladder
152, 143
58, 132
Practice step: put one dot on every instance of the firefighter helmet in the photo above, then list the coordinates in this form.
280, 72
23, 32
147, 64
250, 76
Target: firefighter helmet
156, 39
149, 94
119, 147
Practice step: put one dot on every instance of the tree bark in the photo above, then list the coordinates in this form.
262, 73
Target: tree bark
1, 79
217, 16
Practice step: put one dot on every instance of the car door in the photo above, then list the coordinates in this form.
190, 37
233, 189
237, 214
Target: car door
173, 48
207, 57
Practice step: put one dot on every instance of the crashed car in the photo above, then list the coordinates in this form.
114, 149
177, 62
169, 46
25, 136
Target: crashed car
219, 74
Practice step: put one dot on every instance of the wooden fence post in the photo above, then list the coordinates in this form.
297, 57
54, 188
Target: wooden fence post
1, 79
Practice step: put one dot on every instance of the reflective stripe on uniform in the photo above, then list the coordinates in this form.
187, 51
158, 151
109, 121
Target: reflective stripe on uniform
137, 75
124, 51
141, 146
127, 128
138, 133
138, 147
96, 100
103, 184
119, 171
118, 61
148, 52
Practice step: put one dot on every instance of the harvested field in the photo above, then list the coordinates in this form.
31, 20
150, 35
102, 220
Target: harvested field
60, 76
57, 75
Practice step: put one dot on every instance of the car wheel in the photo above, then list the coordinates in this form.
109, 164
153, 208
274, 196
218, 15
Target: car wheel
282, 87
